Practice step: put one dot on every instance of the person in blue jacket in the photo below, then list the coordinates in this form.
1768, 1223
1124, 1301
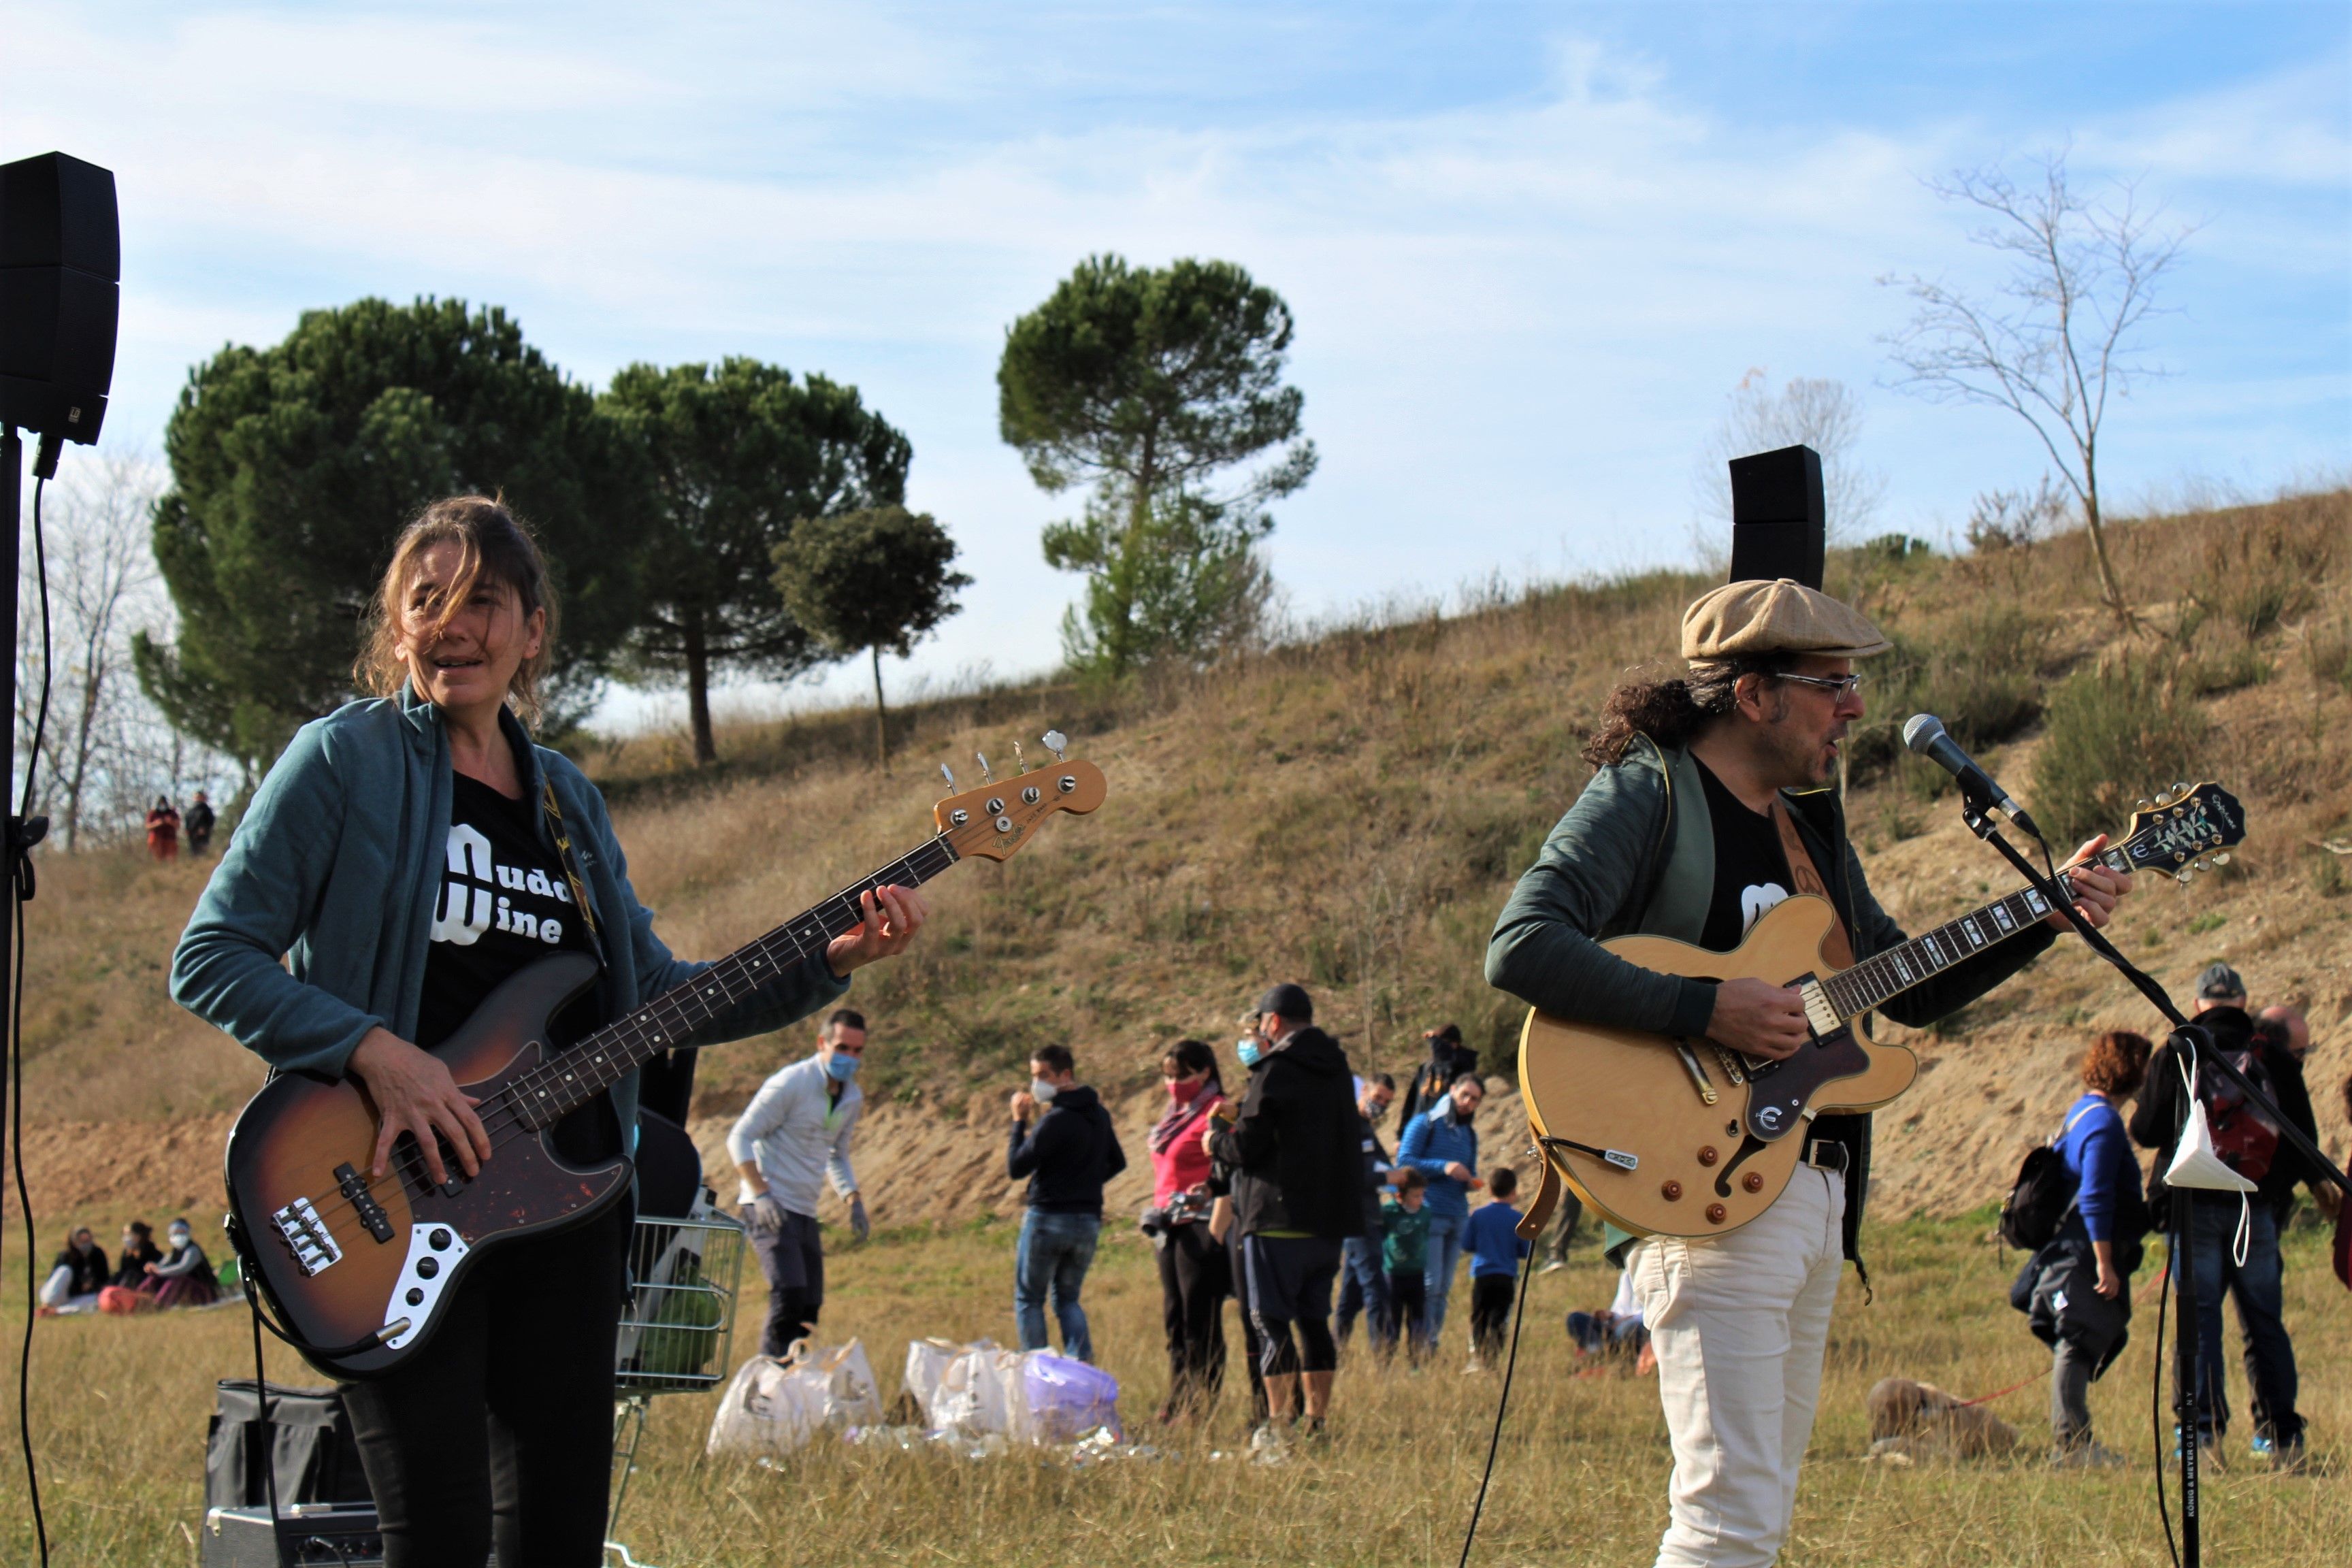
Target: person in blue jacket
406, 856
2077, 1291
1442, 1143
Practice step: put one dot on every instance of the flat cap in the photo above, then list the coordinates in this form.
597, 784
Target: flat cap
1778, 616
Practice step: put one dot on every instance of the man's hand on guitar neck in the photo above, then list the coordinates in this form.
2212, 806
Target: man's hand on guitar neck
414, 1093
2097, 889
1758, 1017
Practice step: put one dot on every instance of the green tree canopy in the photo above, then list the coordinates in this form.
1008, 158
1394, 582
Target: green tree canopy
294, 467
737, 455
867, 581
1147, 385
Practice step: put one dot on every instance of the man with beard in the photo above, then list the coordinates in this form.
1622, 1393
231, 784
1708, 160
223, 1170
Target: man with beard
1698, 784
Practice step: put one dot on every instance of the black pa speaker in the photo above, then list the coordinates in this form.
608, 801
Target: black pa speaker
1779, 521
60, 295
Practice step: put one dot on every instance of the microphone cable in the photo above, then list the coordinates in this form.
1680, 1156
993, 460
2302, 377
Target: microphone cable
1502, 1399
20, 890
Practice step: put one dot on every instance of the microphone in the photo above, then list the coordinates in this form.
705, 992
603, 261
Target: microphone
1924, 734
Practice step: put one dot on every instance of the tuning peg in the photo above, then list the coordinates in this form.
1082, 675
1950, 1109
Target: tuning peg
2163, 797
2223, 859
2186, 875
2181, 789
2146, 804
1054, 742
987, 774
947, 776
2201, 866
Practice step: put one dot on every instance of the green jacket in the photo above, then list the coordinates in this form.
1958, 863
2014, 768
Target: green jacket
1404, 1237
1636, 853
336, 870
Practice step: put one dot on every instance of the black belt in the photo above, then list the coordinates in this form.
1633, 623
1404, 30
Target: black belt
1826, 1154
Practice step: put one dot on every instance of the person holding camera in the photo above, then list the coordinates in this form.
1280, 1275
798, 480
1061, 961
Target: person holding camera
795, 1133
1074, 1151
1194, 1278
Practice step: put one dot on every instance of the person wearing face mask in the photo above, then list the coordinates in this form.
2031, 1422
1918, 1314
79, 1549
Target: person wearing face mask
1194, 1278
185, 1278
795, 1132
1442, 1143
1074, 1151
1296, 1149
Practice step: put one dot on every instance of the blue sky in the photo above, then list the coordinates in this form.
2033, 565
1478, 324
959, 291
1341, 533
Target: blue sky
1531, 248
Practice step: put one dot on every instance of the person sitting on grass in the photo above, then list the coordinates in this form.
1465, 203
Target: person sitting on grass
1404, 1252
1614, 1333
139, 1250
77, 1277
1496, 1250
185, 1278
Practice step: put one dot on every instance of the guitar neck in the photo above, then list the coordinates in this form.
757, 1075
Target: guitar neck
1876, 980
566, 1082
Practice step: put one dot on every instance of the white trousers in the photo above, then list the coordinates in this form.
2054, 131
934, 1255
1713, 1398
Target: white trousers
1739, 1324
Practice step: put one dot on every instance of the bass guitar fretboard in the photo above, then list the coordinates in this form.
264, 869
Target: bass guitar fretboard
544, 1096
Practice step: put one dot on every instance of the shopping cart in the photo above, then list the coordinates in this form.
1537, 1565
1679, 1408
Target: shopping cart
675, 1328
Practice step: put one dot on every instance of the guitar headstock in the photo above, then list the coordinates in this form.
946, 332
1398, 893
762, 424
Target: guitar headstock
997, 819
2183, 831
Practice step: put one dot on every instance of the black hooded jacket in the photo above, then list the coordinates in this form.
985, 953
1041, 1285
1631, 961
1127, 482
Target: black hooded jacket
2157, 1120
1297, 1152
1074, 1151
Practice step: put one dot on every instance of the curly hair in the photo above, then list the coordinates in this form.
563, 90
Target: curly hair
2117, 1062
1672, 711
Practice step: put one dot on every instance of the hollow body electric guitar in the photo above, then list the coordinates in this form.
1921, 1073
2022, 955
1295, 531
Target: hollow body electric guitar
359, 1269
1683, 1137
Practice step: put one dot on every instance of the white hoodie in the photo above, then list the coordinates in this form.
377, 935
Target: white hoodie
797, 1133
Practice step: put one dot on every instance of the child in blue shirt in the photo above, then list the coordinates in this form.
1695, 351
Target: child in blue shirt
1496, 1251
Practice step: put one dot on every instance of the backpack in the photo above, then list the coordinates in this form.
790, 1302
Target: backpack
2037, 1200
2246, 1140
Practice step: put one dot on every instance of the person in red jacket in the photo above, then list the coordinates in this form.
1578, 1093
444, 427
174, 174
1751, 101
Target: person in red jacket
1195, 1275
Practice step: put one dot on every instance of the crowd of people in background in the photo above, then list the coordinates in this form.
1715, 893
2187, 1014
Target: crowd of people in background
2076, 1290
144, 1278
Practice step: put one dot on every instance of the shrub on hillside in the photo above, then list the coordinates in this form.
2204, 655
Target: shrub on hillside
1981, 674
2116, 732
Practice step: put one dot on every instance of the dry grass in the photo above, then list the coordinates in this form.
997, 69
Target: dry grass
120, 1406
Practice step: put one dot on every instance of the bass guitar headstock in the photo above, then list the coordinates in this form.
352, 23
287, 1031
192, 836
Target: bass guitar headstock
2184, 830
995, 820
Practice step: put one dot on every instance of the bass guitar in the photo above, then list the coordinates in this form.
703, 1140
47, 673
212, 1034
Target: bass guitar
1669, 1136
359, 1269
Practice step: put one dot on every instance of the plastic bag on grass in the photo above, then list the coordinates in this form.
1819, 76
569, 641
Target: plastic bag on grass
774, 1406
1069, 1399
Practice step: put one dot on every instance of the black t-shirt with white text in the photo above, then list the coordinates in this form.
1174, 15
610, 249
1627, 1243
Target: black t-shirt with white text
1751, 873
504, 903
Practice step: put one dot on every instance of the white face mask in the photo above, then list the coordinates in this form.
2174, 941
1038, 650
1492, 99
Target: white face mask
1042, 1091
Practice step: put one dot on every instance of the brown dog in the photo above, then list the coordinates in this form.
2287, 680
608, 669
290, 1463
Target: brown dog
1920, 1421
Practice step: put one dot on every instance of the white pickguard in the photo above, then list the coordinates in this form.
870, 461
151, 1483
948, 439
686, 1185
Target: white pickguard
426, 1284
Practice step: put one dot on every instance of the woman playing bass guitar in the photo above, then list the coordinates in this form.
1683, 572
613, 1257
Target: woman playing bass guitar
404, 855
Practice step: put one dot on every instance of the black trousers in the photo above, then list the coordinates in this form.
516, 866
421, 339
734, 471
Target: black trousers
792, 1258
1408, 1311
1195, 1278
501, 1428
1490, 1312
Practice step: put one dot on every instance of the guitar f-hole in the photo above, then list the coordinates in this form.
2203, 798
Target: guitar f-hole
1748, 1146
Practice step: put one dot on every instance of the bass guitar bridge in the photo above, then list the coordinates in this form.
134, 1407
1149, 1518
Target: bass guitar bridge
308, 1238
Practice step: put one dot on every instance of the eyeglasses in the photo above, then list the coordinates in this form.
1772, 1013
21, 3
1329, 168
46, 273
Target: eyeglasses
1840, 687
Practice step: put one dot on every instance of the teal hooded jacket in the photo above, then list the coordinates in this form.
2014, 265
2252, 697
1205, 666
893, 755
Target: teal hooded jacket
316, 925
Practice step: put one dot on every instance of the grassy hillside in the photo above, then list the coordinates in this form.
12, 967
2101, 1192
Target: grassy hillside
1349, 812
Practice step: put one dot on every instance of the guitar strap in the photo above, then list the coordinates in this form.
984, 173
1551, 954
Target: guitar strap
572, 868
1836, 946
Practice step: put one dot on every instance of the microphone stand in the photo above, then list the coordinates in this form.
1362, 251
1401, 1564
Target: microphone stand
2194, 1044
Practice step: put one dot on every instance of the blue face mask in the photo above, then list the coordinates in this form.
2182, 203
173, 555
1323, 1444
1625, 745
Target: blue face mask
842, 1065
1249, 1051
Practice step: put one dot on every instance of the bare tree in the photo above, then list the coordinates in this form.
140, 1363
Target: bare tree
2062, 335
105, 752
1821, 413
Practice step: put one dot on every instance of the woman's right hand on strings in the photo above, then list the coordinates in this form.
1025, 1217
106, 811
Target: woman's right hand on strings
414, 1093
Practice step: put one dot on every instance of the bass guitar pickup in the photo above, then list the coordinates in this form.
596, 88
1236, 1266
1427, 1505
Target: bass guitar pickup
308, 1238
355, 1188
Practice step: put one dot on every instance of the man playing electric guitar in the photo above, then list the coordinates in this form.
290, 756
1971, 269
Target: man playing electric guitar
1706, 808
